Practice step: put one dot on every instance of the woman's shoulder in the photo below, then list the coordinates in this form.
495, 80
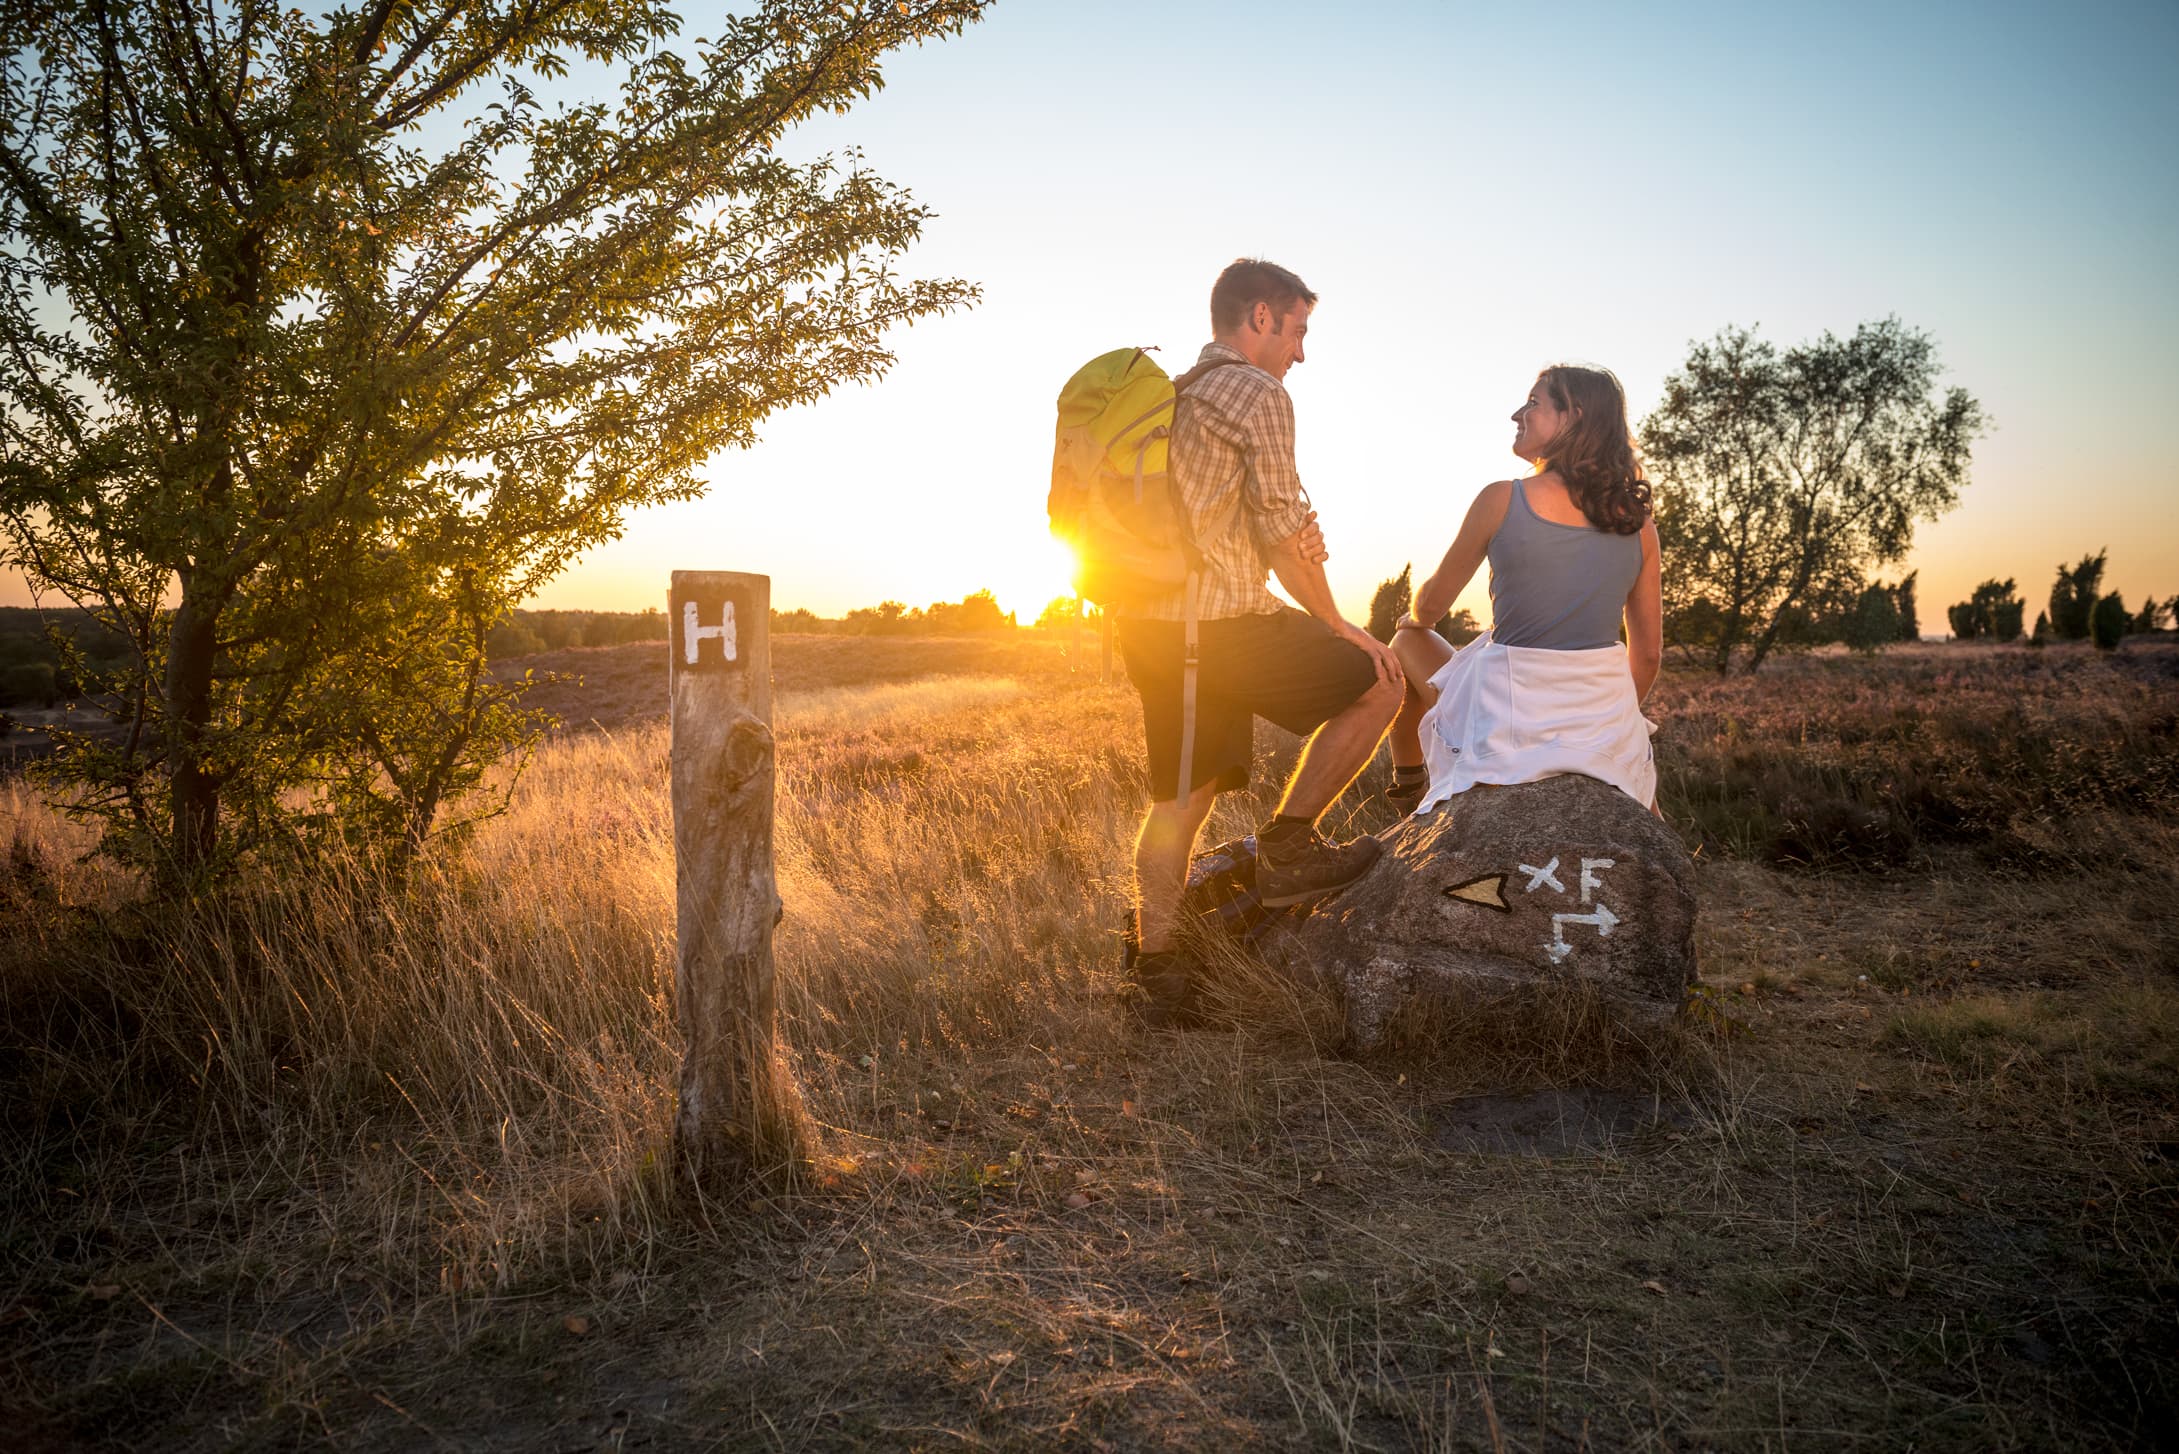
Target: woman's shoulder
1495, 497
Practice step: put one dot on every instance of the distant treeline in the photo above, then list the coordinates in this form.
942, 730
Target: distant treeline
2080, 609
49, 657
527, 632
531, 631
972, 613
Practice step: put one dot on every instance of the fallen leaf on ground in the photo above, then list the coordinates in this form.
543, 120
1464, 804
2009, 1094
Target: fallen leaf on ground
1653, 1285
577, 1324
1516, 1284
1078, 1200
104, 1292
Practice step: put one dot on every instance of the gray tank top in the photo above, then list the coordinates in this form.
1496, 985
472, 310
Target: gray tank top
1559, 587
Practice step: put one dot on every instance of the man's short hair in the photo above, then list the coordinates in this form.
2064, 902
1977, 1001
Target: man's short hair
1248, 281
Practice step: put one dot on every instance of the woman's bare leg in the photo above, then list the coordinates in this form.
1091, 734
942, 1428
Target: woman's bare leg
1422, 655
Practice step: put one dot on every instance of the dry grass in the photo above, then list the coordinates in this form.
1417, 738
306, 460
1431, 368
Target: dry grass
340, 1167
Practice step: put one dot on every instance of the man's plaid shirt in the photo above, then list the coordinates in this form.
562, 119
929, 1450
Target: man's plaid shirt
1233, 439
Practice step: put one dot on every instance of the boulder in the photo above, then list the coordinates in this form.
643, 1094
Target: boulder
1560, 882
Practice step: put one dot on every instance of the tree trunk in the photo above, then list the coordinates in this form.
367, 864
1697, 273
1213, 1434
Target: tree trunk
193, 786
740, 1117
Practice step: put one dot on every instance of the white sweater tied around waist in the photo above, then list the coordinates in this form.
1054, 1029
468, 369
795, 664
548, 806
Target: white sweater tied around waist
1515, 714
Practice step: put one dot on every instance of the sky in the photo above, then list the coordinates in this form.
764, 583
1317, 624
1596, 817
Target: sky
1475, 192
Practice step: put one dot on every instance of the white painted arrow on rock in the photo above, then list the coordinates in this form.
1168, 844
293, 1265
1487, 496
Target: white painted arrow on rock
1604, 920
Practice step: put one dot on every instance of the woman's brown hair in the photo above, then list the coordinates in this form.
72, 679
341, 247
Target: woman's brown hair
1594, 454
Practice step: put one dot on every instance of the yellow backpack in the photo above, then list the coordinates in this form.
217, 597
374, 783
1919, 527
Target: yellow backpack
1112, 500
1116, 506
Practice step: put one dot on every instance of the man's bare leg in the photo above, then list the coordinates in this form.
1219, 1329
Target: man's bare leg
1162, 851
1337, 751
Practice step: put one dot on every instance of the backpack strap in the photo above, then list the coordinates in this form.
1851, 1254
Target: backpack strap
1189, 653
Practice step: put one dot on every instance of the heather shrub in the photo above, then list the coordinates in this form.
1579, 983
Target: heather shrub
1831, 762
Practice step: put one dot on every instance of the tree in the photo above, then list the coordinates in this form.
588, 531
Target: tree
980, 612
1389, 602
2074, 596
2107, 622
1874, 623
1992, 613
1065, 612
2151, 611
327, 340
2041, 634
1392, 600
1783, 476
1910, 619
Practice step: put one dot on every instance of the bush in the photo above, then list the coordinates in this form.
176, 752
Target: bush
27, 684
1874, 622
2073, 596
1872, 764
1994, 611
2108, 623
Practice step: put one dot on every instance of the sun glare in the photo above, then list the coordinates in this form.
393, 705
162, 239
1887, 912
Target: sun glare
1024, 574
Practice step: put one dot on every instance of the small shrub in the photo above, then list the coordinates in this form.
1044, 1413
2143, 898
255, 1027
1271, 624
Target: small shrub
1878, 764
2109, 622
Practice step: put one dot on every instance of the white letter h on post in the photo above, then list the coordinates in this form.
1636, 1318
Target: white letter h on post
692, 635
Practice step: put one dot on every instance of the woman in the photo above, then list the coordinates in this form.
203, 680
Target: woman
1573, 552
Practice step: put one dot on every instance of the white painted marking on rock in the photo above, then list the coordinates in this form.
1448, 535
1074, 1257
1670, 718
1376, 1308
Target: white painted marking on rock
1589, 881
1548, 874
1604, 920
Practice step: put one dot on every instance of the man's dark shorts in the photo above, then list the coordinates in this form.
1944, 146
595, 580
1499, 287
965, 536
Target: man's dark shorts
1285, 666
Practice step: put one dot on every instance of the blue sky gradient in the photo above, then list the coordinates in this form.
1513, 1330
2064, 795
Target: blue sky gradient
1476, 192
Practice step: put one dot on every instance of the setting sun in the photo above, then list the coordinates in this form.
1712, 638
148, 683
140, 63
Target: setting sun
1024, 570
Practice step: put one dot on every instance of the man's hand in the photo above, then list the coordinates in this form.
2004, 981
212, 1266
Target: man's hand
1311, 543
1380, 655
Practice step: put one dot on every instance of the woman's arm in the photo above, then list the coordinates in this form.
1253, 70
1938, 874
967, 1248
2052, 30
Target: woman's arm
1645, 616
1435, 596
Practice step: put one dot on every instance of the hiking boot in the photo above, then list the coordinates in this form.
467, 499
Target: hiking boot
1162, 990
1311, 867
1404, 796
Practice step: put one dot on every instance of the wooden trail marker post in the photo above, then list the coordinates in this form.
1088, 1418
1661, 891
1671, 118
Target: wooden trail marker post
740, 1114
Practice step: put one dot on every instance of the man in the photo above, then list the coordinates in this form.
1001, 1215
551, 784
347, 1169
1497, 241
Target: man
1232, 467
